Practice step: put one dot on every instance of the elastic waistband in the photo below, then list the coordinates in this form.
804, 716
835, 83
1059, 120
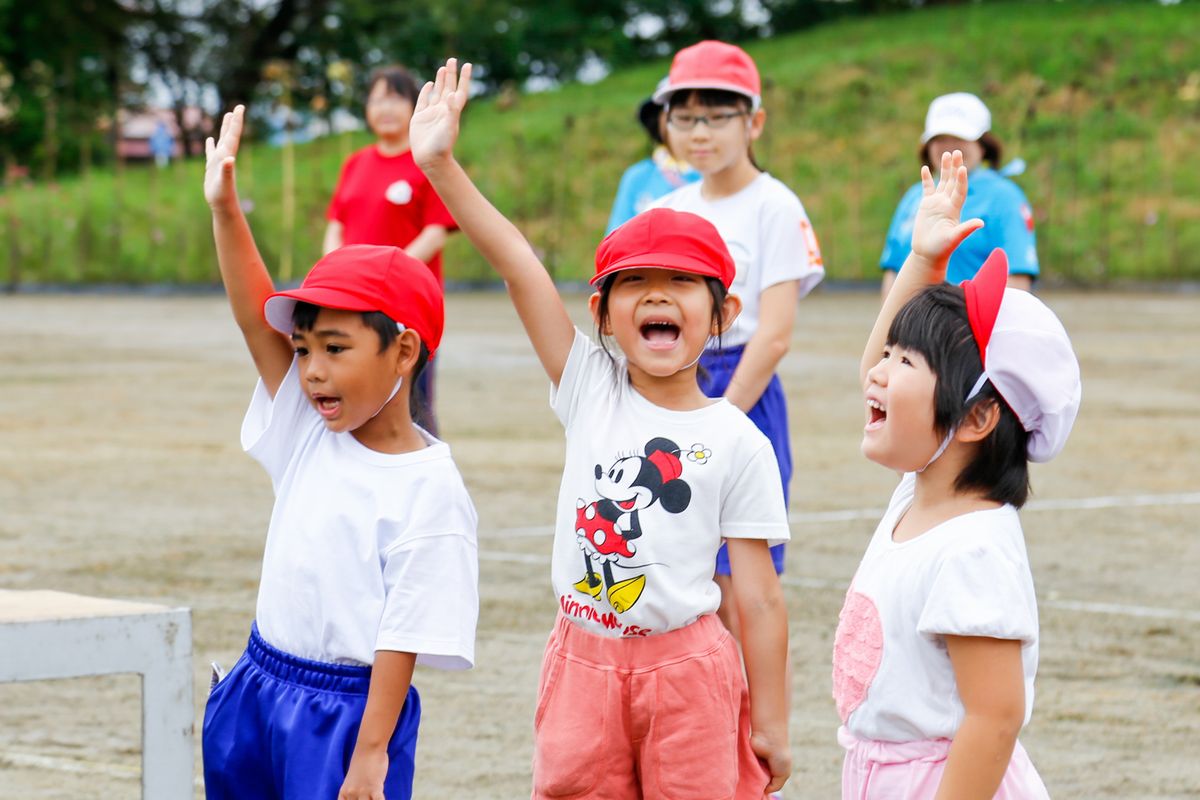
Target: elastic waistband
882, 752
632, 653
343, 678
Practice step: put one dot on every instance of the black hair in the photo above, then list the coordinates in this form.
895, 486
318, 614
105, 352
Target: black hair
710, 98
304, 316
993, 151
650, 116
715, 288
934, 323
398, 79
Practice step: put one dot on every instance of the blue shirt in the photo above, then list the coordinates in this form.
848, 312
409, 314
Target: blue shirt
641, 185
1008, 224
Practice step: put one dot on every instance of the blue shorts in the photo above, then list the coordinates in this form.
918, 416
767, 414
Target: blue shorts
280, 727
769, 414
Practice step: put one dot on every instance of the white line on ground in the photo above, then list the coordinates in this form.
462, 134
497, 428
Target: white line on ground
856, 514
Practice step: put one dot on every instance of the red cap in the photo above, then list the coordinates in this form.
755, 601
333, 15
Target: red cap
363, 277
983, 294
662, 237
712, 65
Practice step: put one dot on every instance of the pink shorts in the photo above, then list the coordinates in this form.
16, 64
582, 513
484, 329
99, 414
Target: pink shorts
875, 770
665, 716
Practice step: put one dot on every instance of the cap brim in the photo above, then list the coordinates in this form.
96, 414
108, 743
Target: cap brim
983, 294
663, 95
659, 261
279, 307
964, 133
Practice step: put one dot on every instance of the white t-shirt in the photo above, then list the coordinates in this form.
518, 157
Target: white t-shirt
769, 236
366, 551
969, 576
647, 495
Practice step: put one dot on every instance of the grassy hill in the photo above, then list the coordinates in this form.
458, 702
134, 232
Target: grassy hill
1102, 100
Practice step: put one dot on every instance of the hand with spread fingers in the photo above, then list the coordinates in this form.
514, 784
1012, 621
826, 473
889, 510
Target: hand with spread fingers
434, 127
219, 188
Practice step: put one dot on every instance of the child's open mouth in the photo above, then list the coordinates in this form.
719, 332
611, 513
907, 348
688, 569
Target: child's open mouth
327, 406
660, 334
876, 414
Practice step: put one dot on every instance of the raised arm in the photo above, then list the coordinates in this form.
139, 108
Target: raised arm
936, 232
432, 134
242, 270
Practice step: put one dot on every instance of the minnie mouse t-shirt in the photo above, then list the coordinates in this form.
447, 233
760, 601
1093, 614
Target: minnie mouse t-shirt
647, 495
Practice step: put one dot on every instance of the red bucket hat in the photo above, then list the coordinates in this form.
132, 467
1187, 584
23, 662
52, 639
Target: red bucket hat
668, 239
363, 277
713, 65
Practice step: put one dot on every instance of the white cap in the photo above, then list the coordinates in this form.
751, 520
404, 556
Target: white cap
962, 115
1027, 356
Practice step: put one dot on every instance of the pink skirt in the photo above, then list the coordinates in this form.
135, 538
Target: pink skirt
875, 770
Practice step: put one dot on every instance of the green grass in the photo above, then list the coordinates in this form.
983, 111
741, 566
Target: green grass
1095, 97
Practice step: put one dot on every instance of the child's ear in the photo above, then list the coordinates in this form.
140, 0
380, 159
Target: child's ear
730, 310
407, 348
594, 307
758, 121
979, 422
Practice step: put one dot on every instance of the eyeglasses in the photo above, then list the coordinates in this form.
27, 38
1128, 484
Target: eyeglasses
685, 121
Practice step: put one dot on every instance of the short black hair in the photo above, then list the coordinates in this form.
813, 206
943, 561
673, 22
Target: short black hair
304, 316
934, 323
398, 79
715, 288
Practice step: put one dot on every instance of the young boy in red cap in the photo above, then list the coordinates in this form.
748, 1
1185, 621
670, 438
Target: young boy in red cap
370, 563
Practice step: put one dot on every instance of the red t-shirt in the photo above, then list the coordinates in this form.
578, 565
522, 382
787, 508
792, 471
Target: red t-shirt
386, 200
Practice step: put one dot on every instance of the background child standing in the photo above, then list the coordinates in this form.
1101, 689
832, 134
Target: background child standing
714, 115
383, 198
937, 643
370, 563
642, 692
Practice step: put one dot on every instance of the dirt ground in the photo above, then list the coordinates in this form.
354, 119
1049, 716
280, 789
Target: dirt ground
121, 476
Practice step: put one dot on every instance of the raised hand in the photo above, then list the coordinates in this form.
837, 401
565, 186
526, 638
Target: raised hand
434, 127
937, 230
218, 169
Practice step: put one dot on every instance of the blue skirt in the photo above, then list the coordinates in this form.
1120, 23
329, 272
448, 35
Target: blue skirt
280, 727
769, 414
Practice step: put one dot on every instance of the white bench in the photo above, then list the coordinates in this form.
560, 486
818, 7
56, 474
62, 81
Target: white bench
46, 635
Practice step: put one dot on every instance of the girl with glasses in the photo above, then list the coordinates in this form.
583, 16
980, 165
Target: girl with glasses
714, 115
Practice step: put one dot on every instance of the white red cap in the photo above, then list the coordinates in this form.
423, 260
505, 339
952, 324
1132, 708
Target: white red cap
962, 115
712, 65
1027, 356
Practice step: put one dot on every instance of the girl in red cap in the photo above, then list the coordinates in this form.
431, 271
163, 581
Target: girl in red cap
370, 560
642, 691
937, 644
713, 98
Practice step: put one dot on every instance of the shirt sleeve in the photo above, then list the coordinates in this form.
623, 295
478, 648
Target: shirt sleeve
753, 505
899, 236
588, 367
1014, 230
273, 427
432, 602
624, 208
979, 591
790, 251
